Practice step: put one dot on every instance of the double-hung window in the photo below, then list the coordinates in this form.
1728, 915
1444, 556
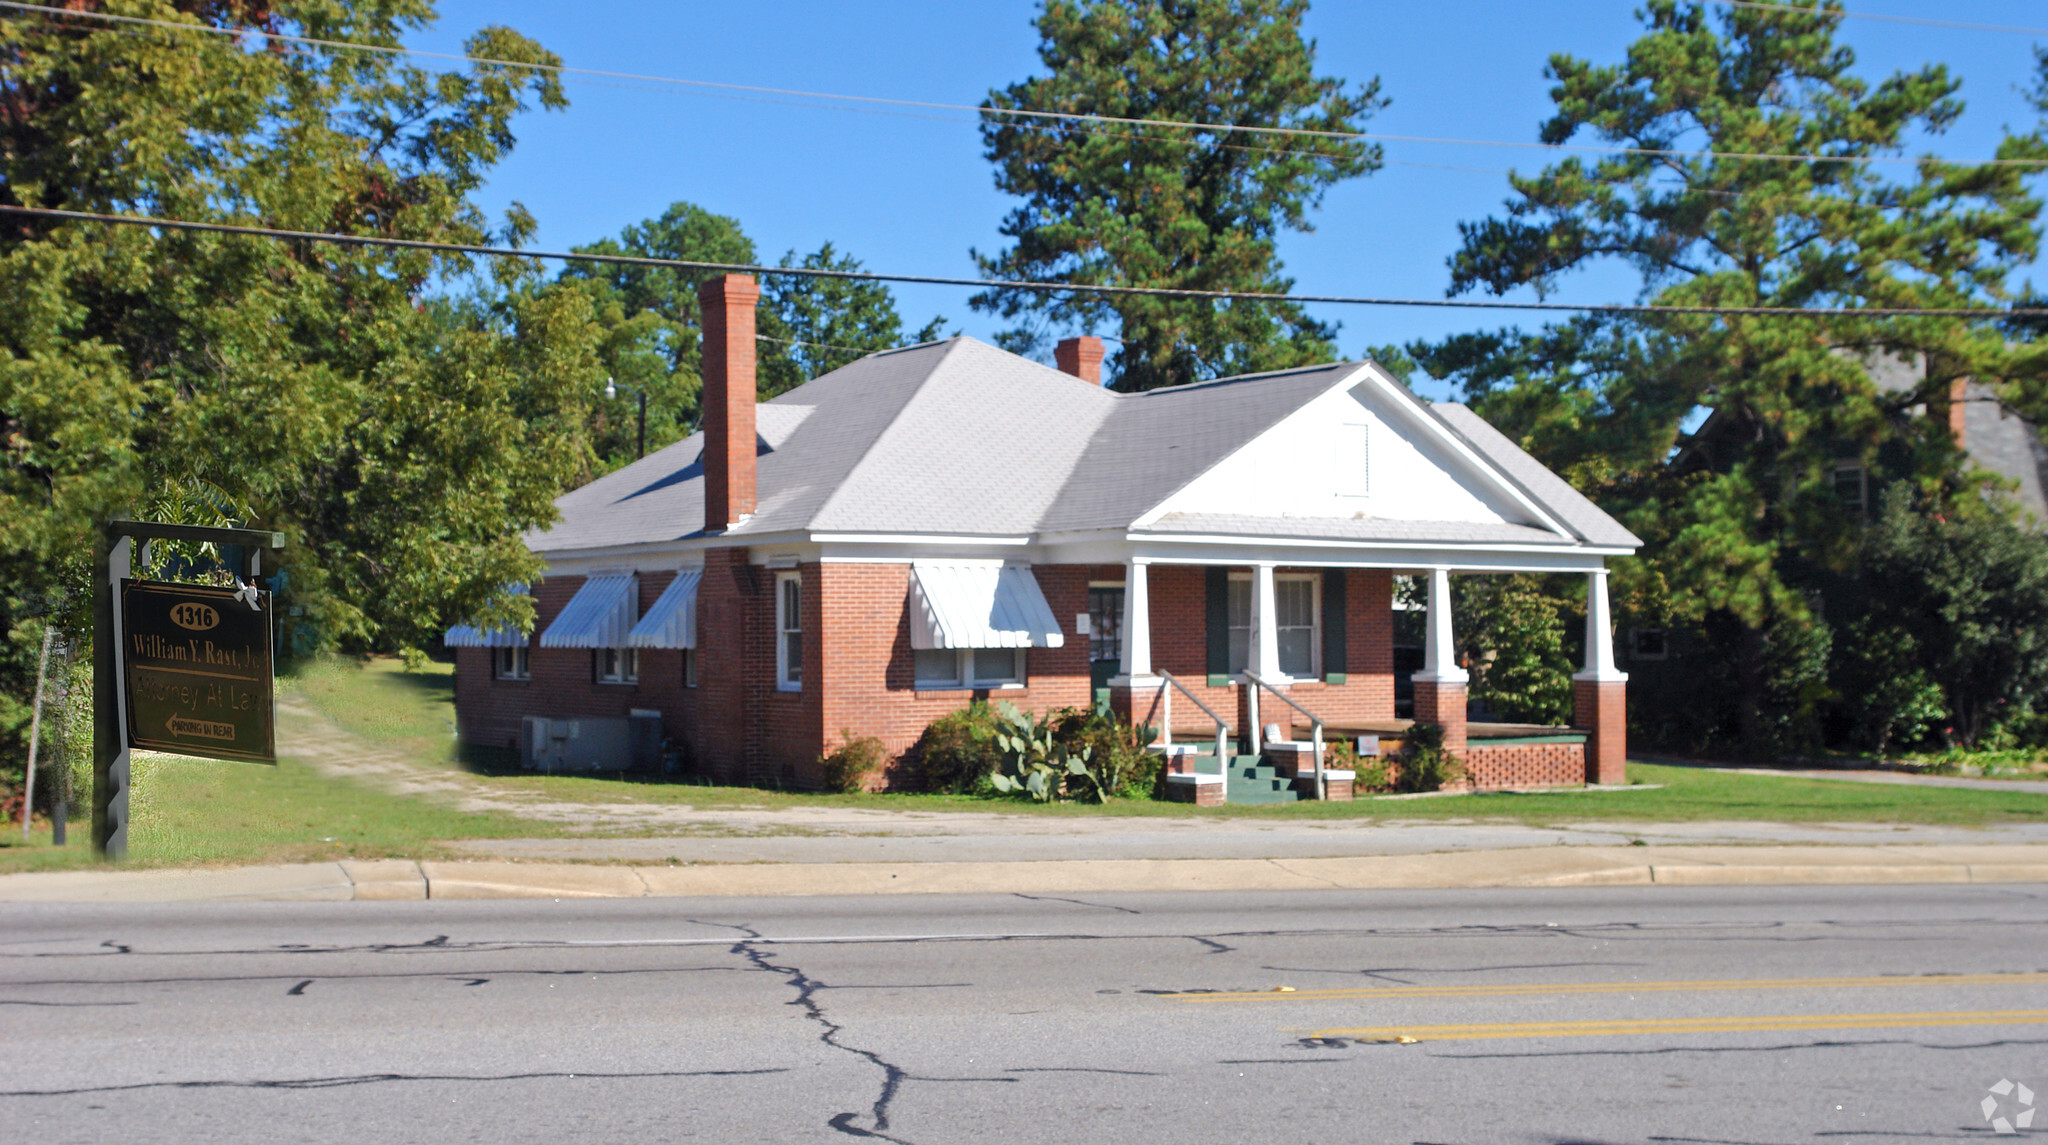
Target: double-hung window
1240, 609
970, 667
789, 631
510, 664
617, 665
1297, 600
1295, 608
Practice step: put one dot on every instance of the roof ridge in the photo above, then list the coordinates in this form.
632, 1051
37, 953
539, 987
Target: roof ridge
831, 502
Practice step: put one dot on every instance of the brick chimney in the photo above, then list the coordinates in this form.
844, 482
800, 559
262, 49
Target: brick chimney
1081, 357
728, 399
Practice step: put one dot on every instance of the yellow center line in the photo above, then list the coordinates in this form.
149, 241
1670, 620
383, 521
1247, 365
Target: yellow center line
1548, 988
1639, 1026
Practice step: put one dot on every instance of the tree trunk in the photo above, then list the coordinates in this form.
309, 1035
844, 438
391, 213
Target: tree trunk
1749, 674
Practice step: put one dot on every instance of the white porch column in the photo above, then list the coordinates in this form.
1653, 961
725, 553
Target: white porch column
1137, 628
1439, 650
1266, 626
1599, 633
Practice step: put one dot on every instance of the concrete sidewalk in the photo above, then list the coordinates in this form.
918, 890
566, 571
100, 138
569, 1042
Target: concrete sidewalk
1552, 866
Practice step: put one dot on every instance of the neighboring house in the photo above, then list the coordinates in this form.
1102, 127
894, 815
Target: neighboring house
928, 525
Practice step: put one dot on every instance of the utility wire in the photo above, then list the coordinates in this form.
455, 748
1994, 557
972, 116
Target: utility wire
1923, 21
1002, 284
1025, 113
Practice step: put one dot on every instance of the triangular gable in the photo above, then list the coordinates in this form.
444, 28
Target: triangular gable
1363, 447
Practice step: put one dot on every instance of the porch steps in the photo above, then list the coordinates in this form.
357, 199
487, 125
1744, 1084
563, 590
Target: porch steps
1249, 780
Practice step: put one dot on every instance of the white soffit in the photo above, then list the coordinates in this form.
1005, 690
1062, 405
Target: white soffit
979, 604
469, 636
600, 615
671, 622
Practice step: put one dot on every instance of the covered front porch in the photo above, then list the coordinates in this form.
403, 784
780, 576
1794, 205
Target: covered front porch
1254, 672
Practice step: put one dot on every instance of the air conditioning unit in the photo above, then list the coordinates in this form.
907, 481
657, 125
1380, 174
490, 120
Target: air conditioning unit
591, 743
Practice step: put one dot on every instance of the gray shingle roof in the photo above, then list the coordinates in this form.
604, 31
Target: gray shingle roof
1567, 505
961, 438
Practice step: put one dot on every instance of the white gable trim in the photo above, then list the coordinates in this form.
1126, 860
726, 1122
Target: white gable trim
1418, 418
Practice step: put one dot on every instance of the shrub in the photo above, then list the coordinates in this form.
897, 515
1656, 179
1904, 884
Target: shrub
1425, 765
958, 752
1116, 750
415, 659
1367, 775
856, 761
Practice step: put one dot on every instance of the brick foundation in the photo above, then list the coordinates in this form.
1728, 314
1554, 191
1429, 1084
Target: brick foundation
1519, 765
1601, 707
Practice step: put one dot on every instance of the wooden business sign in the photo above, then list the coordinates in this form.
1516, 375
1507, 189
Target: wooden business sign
198, 670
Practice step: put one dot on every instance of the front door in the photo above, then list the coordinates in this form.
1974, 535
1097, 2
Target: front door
1105, 637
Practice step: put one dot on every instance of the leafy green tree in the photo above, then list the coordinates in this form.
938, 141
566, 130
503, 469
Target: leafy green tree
1959, 601
652, 323
1163, 206
310, 388
1740, 514
1512, 632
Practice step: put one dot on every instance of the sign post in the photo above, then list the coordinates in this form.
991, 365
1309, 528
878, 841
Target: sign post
178, 668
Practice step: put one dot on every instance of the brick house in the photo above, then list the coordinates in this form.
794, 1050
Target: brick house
949, 521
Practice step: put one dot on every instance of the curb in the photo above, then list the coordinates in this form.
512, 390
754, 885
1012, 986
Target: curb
1561, 867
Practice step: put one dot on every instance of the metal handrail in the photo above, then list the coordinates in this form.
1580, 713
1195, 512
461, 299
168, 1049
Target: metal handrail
1166, 725
1315, 723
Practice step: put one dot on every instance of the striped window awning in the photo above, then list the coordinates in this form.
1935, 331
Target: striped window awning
672, 621
979, 604
600, 615
470, 636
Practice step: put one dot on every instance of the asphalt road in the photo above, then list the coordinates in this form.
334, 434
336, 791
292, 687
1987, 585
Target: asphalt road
1663, 1014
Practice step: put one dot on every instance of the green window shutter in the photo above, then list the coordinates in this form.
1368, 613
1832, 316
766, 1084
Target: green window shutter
1218, 616
1334, 625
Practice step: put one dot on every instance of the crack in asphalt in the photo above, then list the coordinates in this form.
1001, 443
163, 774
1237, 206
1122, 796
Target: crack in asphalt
831, 1032
374, 1079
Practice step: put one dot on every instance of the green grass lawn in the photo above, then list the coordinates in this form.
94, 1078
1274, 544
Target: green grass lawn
414, 711
189, 811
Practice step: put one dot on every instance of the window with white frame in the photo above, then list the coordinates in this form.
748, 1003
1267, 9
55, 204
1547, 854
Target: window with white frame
1297, 605
789, 631
689, 667
510, 664
970, 667
617, 665
1297, 600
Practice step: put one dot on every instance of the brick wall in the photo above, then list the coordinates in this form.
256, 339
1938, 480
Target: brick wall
869, 669
563, 681
859, 669
1180, 645
1490, 768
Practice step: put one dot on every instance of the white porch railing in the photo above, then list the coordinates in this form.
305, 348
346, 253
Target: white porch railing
1315, 721
1167, 686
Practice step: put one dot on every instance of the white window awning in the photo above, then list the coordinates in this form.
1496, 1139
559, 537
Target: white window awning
470, 636
672, 620
979, 604
600, 615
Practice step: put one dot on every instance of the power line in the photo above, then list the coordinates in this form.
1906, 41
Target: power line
1026, 113
1923, 21
1005, 284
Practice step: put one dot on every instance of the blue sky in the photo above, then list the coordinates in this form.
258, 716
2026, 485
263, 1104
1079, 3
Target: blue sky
912, 193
